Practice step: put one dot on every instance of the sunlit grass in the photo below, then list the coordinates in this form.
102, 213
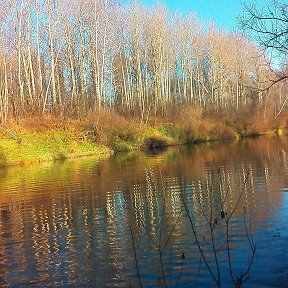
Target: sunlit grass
45, 146
141, 138
46, 138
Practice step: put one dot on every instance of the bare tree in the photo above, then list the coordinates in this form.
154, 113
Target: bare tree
87, 55
269, 27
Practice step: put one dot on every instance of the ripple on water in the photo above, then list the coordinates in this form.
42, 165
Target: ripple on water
69, 224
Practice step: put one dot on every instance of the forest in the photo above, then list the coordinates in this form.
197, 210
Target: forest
72, 59
89, 78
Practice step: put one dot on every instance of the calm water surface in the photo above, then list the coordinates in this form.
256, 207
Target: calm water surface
83, 223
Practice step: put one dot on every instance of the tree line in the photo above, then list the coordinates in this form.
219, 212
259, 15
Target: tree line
70, 57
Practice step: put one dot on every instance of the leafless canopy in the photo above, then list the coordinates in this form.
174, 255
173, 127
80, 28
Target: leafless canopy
269, 27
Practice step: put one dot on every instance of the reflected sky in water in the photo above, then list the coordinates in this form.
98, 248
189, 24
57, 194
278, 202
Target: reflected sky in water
72, 224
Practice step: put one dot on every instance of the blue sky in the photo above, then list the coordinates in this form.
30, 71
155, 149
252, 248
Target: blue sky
223, 12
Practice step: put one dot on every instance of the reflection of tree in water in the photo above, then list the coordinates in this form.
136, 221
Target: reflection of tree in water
204, 202
70, 224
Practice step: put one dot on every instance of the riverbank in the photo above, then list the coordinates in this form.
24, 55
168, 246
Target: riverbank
30, 147
49, 139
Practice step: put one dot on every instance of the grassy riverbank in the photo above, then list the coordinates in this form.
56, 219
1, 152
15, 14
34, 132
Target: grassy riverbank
27, 147
49, 139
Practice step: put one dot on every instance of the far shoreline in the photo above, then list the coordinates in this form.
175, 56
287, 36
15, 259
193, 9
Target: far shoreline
26, 146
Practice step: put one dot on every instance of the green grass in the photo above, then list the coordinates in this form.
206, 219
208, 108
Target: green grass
39, 140
51, 145
143, 137
46, 146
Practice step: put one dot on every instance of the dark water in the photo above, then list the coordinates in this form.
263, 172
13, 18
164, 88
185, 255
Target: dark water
73, 224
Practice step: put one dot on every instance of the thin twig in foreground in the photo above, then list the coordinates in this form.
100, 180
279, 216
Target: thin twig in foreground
135, 256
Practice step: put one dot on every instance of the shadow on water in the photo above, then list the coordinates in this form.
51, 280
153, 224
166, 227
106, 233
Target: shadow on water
70, 223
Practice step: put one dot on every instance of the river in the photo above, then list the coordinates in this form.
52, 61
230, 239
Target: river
184, 217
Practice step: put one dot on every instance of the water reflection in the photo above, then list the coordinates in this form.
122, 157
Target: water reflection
68, 224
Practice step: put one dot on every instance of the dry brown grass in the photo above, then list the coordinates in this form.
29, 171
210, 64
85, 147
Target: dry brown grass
44, 123
185, 125
193, 126
110, 126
